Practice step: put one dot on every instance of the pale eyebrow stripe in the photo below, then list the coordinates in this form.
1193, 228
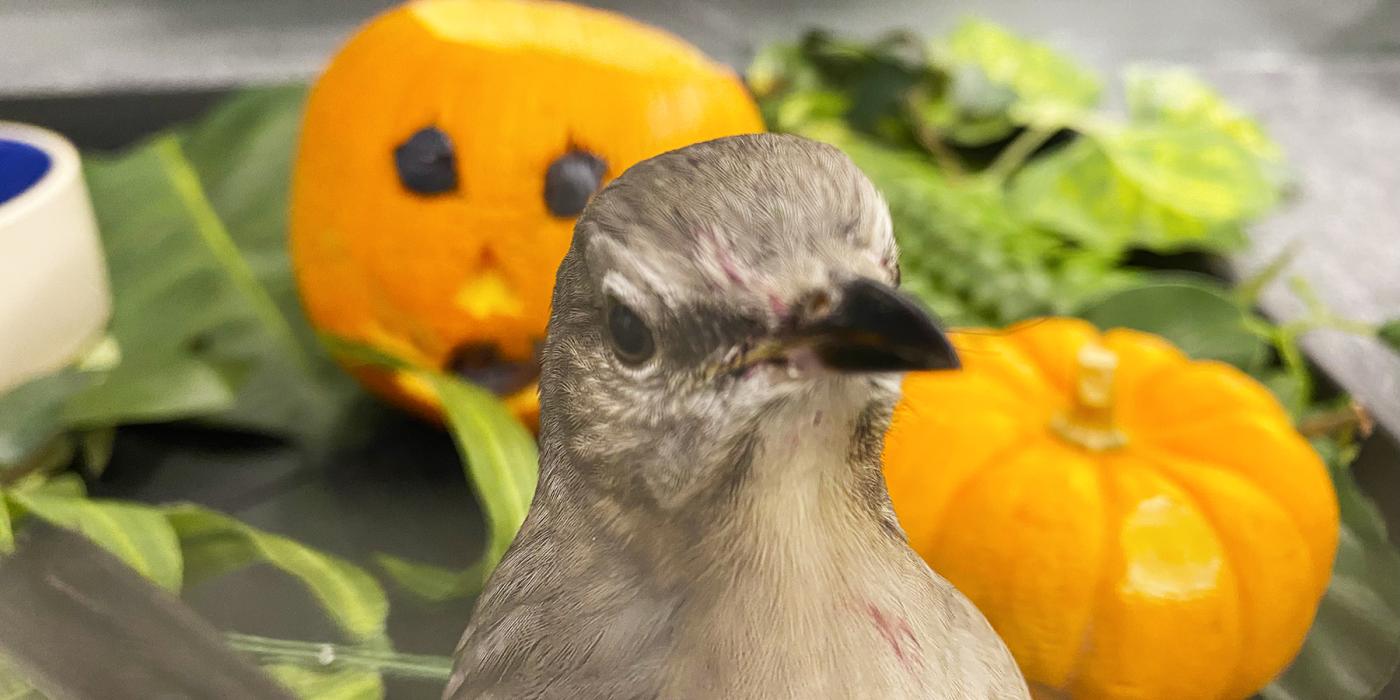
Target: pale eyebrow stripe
632, 274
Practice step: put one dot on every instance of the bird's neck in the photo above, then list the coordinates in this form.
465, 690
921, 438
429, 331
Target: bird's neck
807, 491
813, 487
823, 451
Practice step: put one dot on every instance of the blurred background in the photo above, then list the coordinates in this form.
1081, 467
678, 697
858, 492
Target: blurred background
1323, 78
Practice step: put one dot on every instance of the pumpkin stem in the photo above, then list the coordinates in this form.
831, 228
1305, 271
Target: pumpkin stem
1089, 421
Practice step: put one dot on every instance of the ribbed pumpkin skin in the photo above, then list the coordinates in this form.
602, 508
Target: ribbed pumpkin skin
1186, 563
514, 85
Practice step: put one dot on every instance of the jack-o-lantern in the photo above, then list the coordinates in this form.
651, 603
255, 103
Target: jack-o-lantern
447, 151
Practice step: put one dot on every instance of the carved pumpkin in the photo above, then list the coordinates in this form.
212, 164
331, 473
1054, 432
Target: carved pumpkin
1134, 524
445, 155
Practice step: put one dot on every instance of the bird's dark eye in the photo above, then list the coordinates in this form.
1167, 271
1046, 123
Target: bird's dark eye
630, 336
571, 179
426, 163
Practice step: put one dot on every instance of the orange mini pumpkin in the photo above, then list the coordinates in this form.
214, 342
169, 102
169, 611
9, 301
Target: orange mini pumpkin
445, 155
1134, 524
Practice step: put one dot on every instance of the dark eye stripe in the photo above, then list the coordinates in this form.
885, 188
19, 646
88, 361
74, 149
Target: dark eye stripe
571, 179
426, 163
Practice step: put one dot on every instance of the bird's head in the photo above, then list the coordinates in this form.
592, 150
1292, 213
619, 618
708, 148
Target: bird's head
712, 291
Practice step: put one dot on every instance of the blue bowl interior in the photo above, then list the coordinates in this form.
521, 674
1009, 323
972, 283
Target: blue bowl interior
21, 165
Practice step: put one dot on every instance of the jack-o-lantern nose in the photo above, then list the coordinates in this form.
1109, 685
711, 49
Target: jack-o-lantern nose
571, 179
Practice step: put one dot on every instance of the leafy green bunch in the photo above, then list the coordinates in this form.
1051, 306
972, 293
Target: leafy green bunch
1012, 196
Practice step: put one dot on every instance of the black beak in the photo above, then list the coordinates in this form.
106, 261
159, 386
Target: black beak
872, 327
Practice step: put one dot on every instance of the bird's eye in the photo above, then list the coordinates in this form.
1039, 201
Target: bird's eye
426, 163
571, 179
631, 338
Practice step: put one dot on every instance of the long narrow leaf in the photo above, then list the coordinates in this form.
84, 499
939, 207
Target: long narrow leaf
7, 532
434, 584
214, 544
138, 535
502, 461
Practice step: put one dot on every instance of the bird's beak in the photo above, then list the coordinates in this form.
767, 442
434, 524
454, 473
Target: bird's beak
868, 326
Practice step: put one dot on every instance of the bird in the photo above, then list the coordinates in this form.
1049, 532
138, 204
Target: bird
722, 358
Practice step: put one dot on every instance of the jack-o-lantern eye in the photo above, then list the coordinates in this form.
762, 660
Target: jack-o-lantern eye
571, 179
426, 163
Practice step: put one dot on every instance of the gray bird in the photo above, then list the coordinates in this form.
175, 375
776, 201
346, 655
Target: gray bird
711, 520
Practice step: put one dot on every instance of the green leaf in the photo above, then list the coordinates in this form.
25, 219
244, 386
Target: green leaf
137, 391
1176, 96
1037, 72
1161, 188
185, 182
1200, 173
501, 459
431, 583
790, 89
1198, 317
1389, 333
41, 466
970, 111
68, 484
7, 531
96, 448
339, 684
169, 290
800, 108
1353, 648
242, 153
138, 535
1289, 391
781, 67
194, 223
501, 462
997, 80
824, 77
279, 395
215, 544
355, 353
277, 358
31, 414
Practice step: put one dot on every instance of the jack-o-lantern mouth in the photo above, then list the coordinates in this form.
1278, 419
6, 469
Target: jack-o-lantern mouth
481, 363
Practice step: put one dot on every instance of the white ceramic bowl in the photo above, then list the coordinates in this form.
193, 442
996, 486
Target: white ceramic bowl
54, 297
